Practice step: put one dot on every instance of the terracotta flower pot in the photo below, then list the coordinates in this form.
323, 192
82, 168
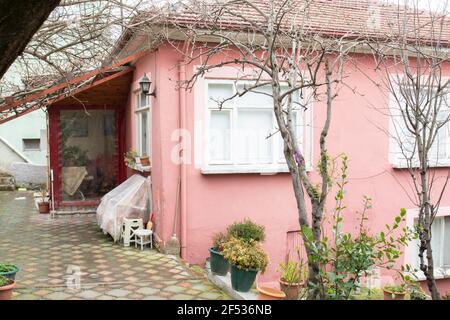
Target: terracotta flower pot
6, 291
292, 290
145, 161
389, 295
267, 293
44, 207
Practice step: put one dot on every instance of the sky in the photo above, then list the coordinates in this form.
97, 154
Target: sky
427, 4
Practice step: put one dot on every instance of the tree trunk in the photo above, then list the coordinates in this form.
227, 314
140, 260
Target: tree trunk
425, 223
19, 21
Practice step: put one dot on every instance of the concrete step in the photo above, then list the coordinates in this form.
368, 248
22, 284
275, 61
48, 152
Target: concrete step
74, 212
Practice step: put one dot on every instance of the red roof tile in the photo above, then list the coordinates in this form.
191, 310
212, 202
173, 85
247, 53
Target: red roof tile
327, 17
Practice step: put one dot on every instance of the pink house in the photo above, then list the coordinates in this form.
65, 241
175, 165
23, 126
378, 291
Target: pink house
228, 179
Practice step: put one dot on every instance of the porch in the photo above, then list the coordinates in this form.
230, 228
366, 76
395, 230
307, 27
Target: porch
49, 252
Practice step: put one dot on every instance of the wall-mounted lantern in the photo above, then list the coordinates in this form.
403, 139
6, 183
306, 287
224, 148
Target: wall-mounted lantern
146, 85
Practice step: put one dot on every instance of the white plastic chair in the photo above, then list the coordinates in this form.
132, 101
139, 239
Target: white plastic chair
128, 228
143, 237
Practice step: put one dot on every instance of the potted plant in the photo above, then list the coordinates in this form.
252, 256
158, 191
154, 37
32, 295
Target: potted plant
8, 270
44, 206
416, 292
6, 288
130, 158
291, 278
247, 258
218, 263
394, 292
145, 161
247, 230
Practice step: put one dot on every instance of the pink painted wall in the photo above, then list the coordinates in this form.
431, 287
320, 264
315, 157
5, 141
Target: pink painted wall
215, 201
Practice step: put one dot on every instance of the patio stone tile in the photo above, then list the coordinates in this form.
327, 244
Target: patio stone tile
108, 270
89, 294
118, 292
57, 296
147, 291
174, 289
41, 292
104, 297
181, 297
154, 298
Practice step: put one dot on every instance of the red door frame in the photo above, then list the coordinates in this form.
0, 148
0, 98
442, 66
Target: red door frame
54, 114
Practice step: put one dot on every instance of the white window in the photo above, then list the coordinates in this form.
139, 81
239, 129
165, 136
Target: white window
402, 143
440, 245
143, 142
243, 136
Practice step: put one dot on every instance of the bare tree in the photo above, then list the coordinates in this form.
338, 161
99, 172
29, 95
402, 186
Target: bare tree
271, 46
76, 37
411, 65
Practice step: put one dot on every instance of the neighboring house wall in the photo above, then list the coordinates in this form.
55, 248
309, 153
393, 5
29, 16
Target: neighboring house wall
24, 140
8, 156
359, 129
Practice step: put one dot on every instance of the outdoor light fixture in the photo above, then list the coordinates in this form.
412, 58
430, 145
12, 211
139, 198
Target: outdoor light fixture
146, 84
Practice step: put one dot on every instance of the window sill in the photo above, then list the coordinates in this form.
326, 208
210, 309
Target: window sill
438, 275
400, 165
244, 169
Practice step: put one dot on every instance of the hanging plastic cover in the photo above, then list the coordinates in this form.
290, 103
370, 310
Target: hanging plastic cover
128, 200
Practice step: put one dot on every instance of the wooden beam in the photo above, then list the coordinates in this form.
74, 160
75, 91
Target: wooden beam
93, 85
75, 80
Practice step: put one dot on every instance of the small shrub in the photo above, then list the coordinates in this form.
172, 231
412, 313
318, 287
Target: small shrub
245, 254
4, 281
416, 292
399, 288
219, 239
292, 272
7, 267
247, 230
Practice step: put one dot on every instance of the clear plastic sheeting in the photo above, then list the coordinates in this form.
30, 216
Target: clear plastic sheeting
129, 200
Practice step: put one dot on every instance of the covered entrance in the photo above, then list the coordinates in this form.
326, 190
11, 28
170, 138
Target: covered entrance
87, 141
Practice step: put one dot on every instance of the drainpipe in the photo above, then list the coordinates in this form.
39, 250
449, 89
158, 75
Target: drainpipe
183, 173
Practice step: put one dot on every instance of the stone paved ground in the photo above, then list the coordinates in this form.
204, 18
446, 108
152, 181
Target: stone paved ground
49, 252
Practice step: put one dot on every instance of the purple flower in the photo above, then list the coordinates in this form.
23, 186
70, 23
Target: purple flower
297, 157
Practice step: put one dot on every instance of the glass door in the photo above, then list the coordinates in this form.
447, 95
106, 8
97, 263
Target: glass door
89, 158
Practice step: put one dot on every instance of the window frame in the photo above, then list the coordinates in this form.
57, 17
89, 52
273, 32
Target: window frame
31, 149
139, 111
411, 216
396, 157
277, 163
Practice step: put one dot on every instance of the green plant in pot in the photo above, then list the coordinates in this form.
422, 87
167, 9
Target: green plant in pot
7, 286
291, 279
247, 258
247, 230
394, 291
416, 292
130, 158
8, 270
219, 265
43, 204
